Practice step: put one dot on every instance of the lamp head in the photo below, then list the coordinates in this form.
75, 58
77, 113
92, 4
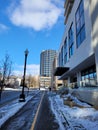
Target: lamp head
26, 52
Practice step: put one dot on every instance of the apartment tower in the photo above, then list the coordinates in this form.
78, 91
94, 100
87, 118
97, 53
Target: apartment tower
46, 62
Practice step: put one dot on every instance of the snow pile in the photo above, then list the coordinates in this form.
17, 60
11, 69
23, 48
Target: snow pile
70, 100
74, 117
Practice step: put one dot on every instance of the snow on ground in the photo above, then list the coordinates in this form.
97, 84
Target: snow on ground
10, 109
74, 118
11, 89
69, 118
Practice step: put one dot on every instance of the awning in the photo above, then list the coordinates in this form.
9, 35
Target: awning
60, 70
80, 67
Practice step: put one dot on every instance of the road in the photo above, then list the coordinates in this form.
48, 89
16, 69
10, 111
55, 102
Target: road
8, 95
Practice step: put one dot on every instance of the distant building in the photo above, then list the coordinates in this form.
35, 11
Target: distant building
32, 81
46, 61
13, 81
36, 77
45, 82
55, 83
78, 52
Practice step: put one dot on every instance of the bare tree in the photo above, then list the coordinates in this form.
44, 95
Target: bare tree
9, 70
29, 80
6, 65
33, 81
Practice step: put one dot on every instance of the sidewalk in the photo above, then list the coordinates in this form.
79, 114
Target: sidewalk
46, 119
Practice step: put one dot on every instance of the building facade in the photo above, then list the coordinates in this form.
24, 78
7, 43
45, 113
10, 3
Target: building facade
78, 50
55, 83
46, 61
45, 82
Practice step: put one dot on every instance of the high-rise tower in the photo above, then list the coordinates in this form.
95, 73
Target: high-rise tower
46, 61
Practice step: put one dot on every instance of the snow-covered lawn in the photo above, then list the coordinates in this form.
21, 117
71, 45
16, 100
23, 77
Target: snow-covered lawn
74, 118
10, 109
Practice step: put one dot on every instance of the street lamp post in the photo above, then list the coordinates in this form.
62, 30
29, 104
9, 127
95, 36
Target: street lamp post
22, 95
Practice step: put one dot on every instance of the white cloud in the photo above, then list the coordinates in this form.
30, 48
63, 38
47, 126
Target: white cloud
36, 14
32, 69
3, 27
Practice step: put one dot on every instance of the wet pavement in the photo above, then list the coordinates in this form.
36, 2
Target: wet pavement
46, 119
23, 119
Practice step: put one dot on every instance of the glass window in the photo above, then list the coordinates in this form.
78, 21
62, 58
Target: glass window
82, 20
78, 40
80, 24
83, 77
65, 58
95, 75
87, 76
65, 51
71, 41
78, 27
71, 50
91, 76
81, 9
62, 56
59, 60
77, 16
82, 33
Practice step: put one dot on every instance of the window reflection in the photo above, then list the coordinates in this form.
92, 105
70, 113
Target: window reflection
65, 51
80, 24
89, 77
71, 41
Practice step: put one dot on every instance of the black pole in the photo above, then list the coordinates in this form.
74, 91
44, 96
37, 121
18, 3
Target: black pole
22, 95
24, 73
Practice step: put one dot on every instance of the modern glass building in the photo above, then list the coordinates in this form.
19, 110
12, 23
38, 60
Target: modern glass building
78, 52
46, 61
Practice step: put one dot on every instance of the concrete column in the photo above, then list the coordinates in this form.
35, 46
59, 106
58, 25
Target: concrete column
68, 81
94, 21
96, 61
79, 79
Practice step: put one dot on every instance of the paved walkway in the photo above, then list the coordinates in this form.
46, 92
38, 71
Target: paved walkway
46, 119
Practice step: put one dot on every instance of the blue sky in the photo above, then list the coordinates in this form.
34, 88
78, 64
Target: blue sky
33, 24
